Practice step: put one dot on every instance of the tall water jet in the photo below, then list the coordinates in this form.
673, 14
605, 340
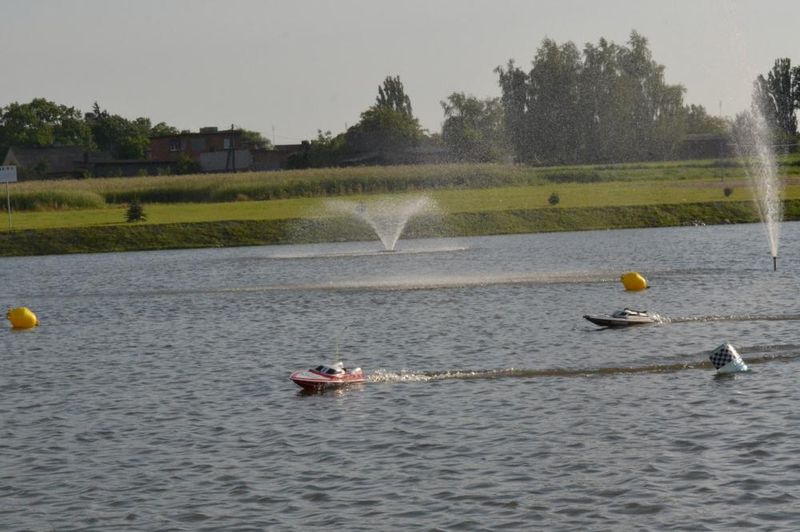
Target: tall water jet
754, 144
387, 217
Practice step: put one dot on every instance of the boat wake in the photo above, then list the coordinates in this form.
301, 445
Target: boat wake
775, 354
729, 317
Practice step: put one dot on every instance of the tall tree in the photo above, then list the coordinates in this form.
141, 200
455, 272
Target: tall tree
392, 95
609, 103
122, 138
473, 128
553, 102
384, 130
777, 96
514, 86
596, 93
388, 126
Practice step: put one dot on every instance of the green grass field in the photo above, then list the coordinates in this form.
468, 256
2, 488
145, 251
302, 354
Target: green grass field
89, 214
572, 195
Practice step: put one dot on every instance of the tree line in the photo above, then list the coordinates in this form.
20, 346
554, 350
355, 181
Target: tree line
42, 123
605, 103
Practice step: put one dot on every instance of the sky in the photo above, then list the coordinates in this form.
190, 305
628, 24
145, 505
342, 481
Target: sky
290, 68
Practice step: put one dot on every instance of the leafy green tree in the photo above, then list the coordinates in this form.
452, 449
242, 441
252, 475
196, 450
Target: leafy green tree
384, 130
596, 92
327, 150
162, 129
514, 86
473, 128
699, 121
392, 94
42, 123
324, 151
254, 139
388, 126
553, 102
650, 128
777, 96
608, 103
123, 138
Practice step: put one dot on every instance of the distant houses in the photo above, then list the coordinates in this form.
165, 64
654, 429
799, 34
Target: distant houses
53, 162
209, 150
212, 150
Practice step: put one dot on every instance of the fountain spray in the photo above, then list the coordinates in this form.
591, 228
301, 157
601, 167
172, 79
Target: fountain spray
754, 146
387, 217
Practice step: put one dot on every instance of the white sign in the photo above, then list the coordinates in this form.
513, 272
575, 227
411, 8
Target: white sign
8, 174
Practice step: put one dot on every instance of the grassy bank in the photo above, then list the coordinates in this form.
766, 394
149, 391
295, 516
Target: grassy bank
449, 202
127, 237
88, 216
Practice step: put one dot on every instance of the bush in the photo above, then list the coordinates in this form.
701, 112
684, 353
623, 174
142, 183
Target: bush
186, 165
135, 211
553, 199
727, 191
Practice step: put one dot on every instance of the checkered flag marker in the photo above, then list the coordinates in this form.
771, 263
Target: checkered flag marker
725, 359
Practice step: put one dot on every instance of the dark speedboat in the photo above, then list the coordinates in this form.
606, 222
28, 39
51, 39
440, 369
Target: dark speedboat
622, 318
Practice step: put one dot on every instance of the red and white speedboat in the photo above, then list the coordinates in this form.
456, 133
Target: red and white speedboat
323, 377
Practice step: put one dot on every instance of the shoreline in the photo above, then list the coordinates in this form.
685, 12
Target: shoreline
149, 237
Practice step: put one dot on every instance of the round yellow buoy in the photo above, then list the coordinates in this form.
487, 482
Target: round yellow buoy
633, 281
22, 318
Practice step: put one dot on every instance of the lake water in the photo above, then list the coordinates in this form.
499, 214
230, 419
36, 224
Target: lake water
155, 394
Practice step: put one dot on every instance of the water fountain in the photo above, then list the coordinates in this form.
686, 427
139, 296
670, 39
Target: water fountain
387, 217
754, 146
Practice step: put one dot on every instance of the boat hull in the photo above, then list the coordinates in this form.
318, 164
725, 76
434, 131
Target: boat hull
610, 321
310, 380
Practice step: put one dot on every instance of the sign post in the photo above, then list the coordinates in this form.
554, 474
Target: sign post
8, 174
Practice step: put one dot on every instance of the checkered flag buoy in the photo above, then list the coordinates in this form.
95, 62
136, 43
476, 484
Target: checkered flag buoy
726, 359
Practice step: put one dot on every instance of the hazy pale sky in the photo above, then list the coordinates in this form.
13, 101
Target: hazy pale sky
289, 68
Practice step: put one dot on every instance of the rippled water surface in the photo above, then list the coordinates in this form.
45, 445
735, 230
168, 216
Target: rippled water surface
155, 394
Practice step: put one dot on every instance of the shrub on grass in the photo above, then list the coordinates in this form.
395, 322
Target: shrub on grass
135, 211
553, 199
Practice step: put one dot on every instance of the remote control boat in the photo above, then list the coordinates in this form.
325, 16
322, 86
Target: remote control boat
622, 318
323, 377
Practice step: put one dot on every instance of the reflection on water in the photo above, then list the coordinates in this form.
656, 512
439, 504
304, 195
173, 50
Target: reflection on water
155, 393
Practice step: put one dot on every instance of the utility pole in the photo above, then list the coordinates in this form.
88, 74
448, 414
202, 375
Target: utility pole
8, 174
230, 161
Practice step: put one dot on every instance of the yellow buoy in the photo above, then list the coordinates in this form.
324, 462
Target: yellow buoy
633, 281
22, 318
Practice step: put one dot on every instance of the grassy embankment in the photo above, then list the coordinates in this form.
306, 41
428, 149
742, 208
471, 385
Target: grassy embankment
282, 207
